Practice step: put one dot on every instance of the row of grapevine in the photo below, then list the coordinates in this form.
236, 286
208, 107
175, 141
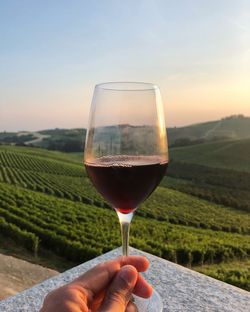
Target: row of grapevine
26, 239
39, 152
228, 178
38, 164
50, 184
163, 205
218, 185
238, 199
75, 227
236, 273
79, 231
179, 208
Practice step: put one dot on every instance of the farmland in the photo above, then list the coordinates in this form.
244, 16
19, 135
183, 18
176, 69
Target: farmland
46, 201
228, 154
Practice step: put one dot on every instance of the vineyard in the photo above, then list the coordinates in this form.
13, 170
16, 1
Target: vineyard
70, 182
80, 232
235, 272
228, 154
47, 201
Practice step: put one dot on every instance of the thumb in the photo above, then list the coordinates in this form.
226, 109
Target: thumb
119, 293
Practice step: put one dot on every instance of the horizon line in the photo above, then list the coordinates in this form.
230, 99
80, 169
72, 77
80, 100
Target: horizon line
182, 126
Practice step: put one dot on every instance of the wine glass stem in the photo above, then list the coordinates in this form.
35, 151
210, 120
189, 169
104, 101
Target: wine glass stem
125, 220
125, 226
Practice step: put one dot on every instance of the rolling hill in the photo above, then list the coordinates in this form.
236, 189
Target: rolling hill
230, 154
67, 140
233, 127
46, 201
72, 140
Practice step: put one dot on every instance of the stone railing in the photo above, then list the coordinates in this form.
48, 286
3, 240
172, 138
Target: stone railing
182, 290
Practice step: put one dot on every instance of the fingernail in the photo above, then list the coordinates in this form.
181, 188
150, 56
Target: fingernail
131, 307
128, 273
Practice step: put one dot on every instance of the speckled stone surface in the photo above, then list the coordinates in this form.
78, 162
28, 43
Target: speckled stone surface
182, 290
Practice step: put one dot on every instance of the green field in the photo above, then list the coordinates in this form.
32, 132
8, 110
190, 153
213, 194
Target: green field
69, 181
233, 127
231, 154
48, 203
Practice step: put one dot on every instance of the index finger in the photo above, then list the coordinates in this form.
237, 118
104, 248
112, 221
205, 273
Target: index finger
139, 262
101, 275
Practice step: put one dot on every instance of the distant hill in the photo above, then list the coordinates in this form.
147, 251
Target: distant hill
230, 154
235, 127
66, 140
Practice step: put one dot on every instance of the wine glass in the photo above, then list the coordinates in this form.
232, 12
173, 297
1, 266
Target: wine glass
126, 152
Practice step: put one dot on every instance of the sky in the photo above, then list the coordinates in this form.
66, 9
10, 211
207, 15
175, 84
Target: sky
53, 53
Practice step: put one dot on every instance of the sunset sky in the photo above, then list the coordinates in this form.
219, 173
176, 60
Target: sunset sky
52, 53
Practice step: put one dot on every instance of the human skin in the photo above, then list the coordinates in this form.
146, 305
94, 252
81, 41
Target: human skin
105, 288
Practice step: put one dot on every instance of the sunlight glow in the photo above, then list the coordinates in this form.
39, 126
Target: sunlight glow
49, 66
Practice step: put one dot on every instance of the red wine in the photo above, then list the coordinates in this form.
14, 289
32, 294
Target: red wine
126, 181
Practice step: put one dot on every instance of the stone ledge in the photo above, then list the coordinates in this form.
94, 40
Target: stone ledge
182, 290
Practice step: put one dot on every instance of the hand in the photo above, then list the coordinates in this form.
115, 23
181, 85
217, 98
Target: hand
105, 288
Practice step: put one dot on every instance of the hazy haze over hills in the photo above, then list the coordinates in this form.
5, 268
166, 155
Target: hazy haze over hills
233, 127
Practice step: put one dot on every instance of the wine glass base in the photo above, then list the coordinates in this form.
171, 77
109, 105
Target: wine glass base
152, 304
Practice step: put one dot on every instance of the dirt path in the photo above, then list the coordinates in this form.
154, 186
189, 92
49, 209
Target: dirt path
38, 137
17, 275
211, 131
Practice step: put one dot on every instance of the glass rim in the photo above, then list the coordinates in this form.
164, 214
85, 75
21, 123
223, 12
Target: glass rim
127, 86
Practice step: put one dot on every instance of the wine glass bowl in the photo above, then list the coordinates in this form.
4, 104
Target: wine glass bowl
127, 121
126, 151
